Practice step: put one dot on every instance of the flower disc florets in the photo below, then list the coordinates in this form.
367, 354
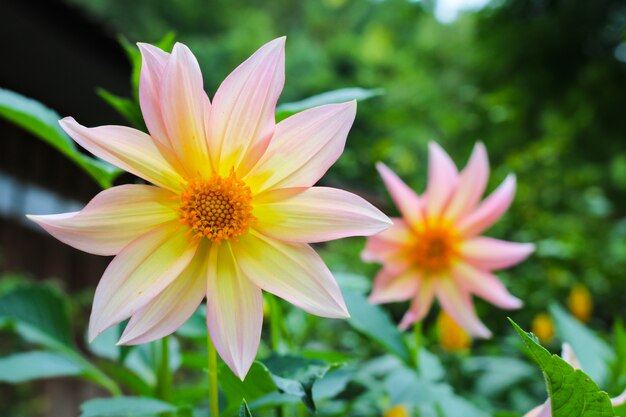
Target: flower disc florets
219, 208
436, 248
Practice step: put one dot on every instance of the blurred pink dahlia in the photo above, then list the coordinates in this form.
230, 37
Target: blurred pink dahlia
435, 249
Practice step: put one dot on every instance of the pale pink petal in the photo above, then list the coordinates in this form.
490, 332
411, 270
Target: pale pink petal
127, 148
485, 285
489, 253
544, 410
153, 63
408, 202
184, 106
421, 303
389, 286
242, 119
472, 183
112, 219
138, 274
170, 309
303, 147
490, 210
234, 311
457, 302
292, 271
391, 246
317, 214
443, 178
568, 355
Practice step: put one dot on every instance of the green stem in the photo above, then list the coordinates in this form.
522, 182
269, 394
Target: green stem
419, 340
275, 323
164, 376
93, 373
276, 337
213, 384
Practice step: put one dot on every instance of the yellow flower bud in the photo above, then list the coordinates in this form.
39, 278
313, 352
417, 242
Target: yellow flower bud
580, 303
543, 327
452, 337
397, 411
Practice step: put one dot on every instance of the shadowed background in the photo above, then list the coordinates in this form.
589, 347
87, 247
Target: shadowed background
542, 83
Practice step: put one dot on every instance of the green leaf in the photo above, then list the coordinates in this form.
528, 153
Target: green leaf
127, 378
258, 383
244, 410
28, 366
405, 386
374, 322
594, 354
336, 96
124, 406
496, 374
572, 393
127, 107
38, 314
296, 376
43, 122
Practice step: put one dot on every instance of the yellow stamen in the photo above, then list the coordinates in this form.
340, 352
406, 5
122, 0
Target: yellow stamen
436, 248
219, 208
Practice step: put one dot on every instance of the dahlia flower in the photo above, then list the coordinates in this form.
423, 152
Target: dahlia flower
435, 249
545, 409
230, 210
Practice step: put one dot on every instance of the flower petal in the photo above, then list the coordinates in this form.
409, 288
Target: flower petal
234, 311
292, 271
407, 201
138, 274
472, 183
485, 285
422, 301
389, 286
489, 253
170, 309
543, 410
443, 178
317, 214
242, 120
392, 247
184, 107
112, 219
153, 63
490, 210
127, 148
458, 304
303, 147
568, 355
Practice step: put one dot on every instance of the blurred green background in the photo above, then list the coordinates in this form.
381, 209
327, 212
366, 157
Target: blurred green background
542, 83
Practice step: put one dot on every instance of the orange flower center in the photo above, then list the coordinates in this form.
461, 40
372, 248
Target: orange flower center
218, 209
436, 248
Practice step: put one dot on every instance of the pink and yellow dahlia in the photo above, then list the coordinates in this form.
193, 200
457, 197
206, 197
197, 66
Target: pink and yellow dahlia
435, 249
231, 210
